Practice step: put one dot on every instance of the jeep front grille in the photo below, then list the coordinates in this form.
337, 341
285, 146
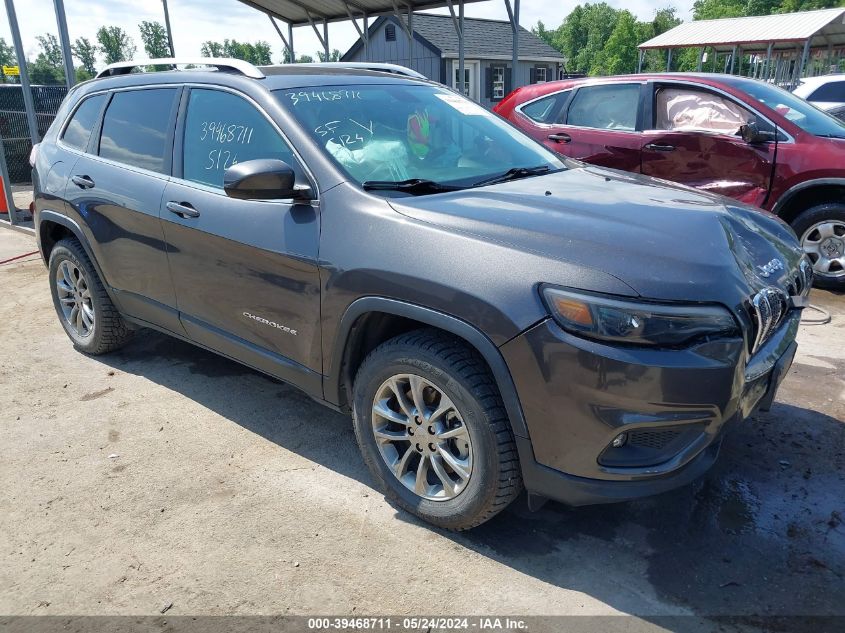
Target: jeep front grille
770, 306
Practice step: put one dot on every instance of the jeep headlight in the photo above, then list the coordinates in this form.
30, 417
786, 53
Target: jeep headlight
636, 322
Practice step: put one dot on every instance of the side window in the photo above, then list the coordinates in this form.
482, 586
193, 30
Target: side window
546, 110
607, 107
833, 91
222, 129
690, 110
78, 129
135, 128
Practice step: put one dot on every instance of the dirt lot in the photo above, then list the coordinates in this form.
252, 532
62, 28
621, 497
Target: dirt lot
165, 474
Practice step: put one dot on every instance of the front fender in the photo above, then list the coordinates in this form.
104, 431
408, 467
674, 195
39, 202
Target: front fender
332, 384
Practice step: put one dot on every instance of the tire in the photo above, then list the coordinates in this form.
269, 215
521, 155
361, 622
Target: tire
821, 231
97, 327
474, 436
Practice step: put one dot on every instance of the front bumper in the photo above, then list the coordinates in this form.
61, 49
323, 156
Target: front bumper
578, 395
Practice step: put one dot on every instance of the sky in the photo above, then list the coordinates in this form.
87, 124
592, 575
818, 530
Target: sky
195, 21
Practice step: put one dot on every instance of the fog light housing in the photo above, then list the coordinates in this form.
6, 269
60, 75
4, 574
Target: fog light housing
619, 440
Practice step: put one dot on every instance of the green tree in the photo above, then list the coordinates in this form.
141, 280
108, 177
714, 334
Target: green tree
334, 57
115, 44
7, 58
86, 52
664, 20
259, 53
305, 59
543, 33
154, 39
47, 67
598, 39
619, 54
211, 49
51, 52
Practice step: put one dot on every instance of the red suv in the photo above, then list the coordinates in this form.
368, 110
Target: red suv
730, 135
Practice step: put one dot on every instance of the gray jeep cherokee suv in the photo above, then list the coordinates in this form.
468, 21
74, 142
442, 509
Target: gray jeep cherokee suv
493, 317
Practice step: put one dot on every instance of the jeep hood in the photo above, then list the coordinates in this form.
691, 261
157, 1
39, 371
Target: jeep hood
665, 241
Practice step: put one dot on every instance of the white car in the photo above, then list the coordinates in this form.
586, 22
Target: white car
825, 91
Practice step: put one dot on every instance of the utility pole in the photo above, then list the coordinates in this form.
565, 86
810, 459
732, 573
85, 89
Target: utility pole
167, 26
24, 73
64, 40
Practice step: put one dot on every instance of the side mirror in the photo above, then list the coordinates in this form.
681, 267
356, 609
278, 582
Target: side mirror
752, 134
263, 179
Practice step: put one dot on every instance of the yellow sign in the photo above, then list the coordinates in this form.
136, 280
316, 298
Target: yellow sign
11, 70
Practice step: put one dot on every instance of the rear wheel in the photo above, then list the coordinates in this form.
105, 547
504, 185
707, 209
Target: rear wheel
821, 230
433, 430
84, 308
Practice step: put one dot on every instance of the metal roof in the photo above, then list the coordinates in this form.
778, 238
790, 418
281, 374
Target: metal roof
299, 12
824, 27
483, 38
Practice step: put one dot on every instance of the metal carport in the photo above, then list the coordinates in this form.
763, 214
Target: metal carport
318, 13
790, 40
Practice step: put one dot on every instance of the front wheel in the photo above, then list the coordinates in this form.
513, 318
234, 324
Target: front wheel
433, 431
821, 230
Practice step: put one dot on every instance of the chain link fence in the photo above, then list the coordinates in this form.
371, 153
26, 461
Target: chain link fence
13, 124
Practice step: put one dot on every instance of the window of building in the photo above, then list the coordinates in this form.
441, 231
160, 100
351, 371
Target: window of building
541, 74
223, 129
390, 32
498, 83
135, 127
467, 80
78, 129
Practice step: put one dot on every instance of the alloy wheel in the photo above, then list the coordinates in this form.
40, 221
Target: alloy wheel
74, 296
422, 437
824, 243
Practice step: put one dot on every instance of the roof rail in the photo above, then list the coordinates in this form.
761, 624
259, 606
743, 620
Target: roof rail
220, 63
394, 69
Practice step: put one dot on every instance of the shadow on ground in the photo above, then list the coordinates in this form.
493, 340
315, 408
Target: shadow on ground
761, 536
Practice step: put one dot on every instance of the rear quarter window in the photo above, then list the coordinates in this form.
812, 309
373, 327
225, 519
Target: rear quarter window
136, 128
545, 110
78, 130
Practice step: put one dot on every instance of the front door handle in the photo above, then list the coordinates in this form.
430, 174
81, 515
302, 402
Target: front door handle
660, 147
182, 209
84, 182
560, 138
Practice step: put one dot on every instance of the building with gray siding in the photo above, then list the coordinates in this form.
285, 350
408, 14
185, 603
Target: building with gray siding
488, 47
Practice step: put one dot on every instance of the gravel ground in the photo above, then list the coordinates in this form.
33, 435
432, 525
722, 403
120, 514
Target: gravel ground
166, 474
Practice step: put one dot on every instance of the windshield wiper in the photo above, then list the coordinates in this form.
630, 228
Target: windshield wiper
415, 186
831, 135
513, 174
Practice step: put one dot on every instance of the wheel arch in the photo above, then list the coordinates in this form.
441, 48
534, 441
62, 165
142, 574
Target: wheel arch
390, 317
813, 192
52, 227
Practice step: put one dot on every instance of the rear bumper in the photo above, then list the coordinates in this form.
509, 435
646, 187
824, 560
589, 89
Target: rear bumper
578, 395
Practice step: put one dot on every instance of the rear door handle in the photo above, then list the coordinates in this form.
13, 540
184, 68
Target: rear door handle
659, 147
182, 209
560, 138
82, 181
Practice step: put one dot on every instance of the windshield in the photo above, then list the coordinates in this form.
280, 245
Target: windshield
394, 133
806, 116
